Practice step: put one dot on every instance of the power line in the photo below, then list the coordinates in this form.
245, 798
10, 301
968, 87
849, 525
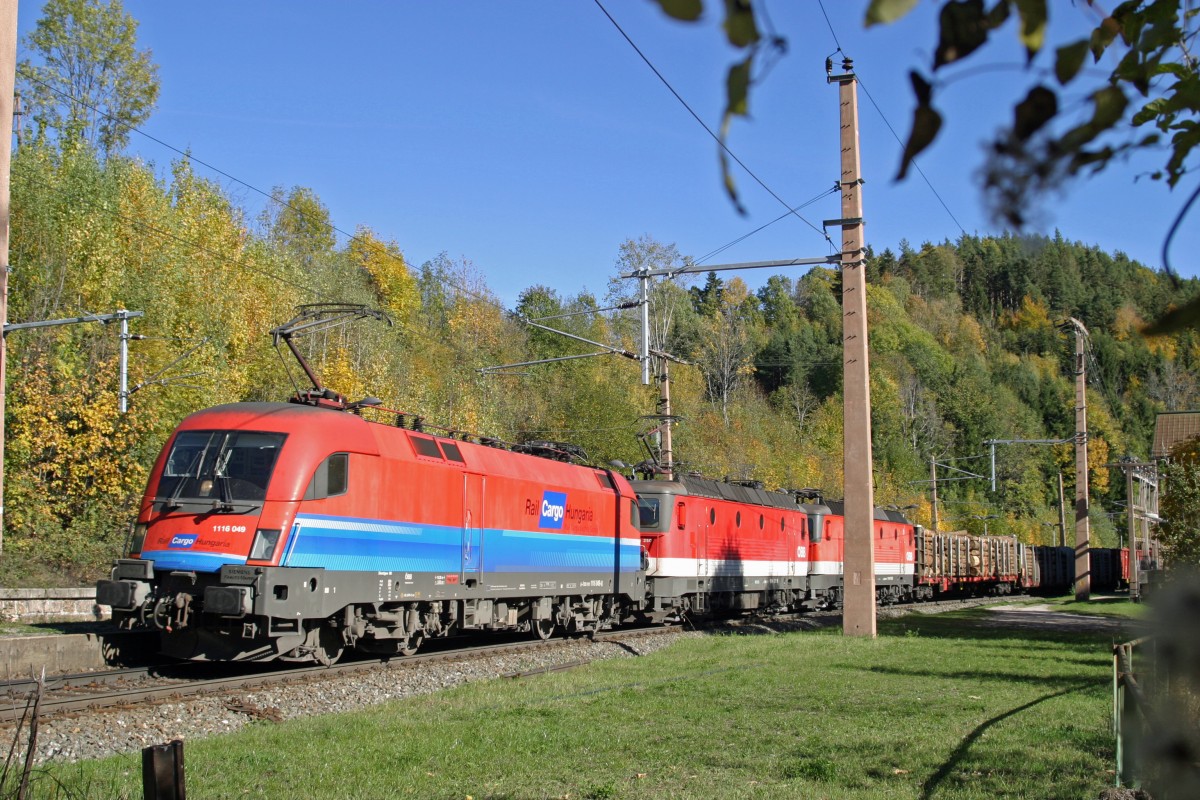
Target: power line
373, 245
707, 129
188, 242
784, 215
886, 122
269, 196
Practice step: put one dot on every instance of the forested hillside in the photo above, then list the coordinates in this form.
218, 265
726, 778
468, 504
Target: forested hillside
965, 342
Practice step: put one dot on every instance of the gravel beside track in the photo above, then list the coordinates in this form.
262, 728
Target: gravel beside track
96, 735
99, 734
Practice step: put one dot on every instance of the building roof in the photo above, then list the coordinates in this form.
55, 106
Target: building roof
1171, 428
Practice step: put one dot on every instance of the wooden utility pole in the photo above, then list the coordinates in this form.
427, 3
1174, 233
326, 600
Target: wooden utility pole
1083, 553
858, 617
8, 73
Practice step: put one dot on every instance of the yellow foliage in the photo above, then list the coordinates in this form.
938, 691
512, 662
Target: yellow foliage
393, 281
1032, 315
1127, 323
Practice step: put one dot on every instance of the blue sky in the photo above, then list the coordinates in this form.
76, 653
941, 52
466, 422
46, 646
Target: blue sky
530, 139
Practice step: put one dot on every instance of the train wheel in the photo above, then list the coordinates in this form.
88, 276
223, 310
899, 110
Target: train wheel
326, 644
411, 645
542, 629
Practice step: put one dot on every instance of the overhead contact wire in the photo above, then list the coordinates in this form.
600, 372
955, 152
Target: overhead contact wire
707, 129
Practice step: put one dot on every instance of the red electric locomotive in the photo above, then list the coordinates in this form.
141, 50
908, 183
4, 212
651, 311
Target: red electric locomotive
294, 531
714, 546
721, 546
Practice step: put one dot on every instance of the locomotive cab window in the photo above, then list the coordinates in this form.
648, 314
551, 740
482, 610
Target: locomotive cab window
648, 513
332, 478
814, 527
228, 466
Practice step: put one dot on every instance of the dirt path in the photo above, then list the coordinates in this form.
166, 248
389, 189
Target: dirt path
1044, 617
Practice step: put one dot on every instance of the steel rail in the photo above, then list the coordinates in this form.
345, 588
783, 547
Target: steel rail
64, 701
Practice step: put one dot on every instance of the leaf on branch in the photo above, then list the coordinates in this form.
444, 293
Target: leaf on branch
1032, 113
739, 24
963, 30
888, 11
1033, 25
1069, 60
737, 103
1103, 36
1110, 107
1150, 112
686, 10
1186, 137
726, 175
737, 88
1110, 103
926, 123
998, 15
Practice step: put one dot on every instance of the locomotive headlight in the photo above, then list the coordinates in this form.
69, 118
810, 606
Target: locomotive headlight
265, 540
137, 538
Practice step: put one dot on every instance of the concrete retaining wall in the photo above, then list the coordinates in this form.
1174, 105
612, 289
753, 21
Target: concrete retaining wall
27, 656
33, 605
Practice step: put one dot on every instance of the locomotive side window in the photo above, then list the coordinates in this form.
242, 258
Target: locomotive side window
425, 446
814, 526
220, 465
452, 452
331, 478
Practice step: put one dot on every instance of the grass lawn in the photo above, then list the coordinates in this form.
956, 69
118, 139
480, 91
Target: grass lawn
935, 707
1108, 606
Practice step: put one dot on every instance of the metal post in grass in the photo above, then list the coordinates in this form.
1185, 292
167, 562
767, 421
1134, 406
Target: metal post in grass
162, 771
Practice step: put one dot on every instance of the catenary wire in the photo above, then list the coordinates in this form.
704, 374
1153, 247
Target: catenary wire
373, 245
886, 122
707, 129
188, 242
353, 237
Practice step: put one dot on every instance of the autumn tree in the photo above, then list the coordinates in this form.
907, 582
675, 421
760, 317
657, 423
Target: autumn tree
1179, 507
88, 80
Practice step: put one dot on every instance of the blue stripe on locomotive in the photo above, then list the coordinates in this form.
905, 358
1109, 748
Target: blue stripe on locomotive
189, 561
349, 543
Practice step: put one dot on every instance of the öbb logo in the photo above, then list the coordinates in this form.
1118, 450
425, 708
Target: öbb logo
183, 541
553, 510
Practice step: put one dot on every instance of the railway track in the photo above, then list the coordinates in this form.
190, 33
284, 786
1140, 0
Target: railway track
116, 689
122, 688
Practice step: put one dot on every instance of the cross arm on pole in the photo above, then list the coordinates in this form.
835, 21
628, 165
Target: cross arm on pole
50, 323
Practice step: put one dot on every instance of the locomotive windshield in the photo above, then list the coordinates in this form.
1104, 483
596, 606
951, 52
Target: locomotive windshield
648, 512
225, 466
